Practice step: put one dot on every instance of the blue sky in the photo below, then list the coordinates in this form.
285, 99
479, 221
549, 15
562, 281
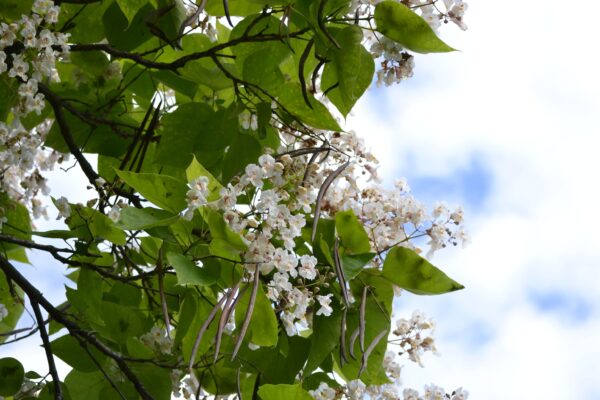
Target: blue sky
509, 128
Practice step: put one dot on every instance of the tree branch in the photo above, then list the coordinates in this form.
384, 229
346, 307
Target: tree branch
58, 395
36, 296
182, 61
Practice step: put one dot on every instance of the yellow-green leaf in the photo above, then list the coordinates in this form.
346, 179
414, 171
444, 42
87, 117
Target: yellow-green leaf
412, 272
402, 25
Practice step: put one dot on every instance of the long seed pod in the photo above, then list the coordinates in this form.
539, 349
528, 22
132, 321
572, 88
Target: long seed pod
248, 316
238, 385
190, 20
343, 358
321, 194
203, 329
367, 353
303, 59
353, 338
362, 319
321, 22
227, 15
223, 319
340, 272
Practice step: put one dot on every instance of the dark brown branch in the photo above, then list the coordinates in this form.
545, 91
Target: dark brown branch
58, 395
65, 131
182, 61
36, 296
57, 105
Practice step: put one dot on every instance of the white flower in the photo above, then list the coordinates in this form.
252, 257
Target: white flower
3, 66
115, 213
356, 389
7, 35
460, 394
433, 392
52, 15
158, 340
410, 394
19, 68
64, 209
323, 392
254, 175
100, 181
325, 302
307, 268
3, 311
45, 39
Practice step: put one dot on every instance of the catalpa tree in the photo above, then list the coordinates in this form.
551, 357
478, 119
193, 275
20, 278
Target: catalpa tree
236, 243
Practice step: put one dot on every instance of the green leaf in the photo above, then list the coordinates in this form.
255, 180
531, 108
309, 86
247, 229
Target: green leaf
324, 339
18, 225
354, 264
220, 230
352, 69
144, 218
244, 150
99, 139
9, 87
354, 238
164, 191
377, 318
166, 20
91, 225
412, 272
68, 349
236, 8
195, 127
262, 68
278, 392
313, 381
291, 99
195, 170
122, 33
131, 7
188, 273
13, 9
85, 22
87, 386
279, 364
11, 376
402, 25
122, 322
263, 325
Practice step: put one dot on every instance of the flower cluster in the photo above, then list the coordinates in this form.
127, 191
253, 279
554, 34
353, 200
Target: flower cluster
433, 392
158, 340
29, 51
397, 64
411, 337
186, 386
356, 390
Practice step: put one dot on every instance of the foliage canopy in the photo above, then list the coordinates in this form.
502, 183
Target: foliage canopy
229, 246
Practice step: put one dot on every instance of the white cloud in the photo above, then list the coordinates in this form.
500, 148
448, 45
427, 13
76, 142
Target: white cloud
523, 96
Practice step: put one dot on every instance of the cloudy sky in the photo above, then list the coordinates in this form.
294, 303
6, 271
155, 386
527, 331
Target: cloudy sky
509, 128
